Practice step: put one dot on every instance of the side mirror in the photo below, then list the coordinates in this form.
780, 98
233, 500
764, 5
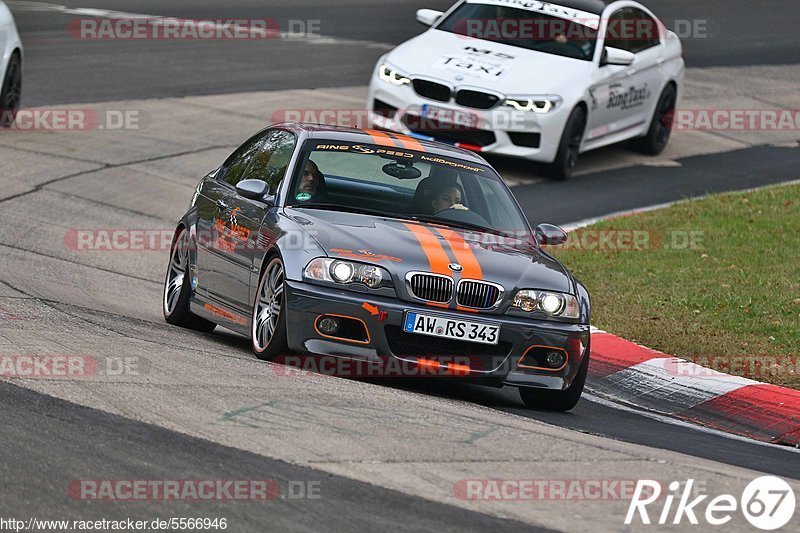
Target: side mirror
429, 17
615, 56
548, 234
255, 190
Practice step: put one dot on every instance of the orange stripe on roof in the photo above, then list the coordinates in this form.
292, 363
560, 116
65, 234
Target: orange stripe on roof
381, 139
409, 143
434, 251
464, 254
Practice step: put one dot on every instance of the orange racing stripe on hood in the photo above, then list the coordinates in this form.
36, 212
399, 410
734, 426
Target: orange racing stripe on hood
434, 251
464, 254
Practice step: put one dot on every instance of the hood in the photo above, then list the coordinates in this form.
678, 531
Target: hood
512, 70
395, 245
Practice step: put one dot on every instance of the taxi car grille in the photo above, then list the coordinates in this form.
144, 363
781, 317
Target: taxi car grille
482, 357
476, 99
431, 287
444, 131
432, 90
478, 294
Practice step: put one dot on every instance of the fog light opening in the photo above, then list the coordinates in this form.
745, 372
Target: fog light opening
556, 359
328, 325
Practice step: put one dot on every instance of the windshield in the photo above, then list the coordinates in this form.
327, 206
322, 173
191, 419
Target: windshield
538, 26
400, 183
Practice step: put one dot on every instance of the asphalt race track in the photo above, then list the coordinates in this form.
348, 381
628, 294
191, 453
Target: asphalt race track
386, 454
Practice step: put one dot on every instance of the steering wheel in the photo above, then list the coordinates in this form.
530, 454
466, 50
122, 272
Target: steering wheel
463, 215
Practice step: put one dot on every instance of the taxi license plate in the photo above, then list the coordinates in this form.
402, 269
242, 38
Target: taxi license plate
449, 328
456, 117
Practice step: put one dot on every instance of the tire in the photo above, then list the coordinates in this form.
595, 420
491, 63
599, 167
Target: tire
11, 91
557, 400
268, 325
660, 130
178, 288
569, 147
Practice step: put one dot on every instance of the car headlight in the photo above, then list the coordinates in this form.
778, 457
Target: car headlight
391, 75
347, 272
537, 104
555, 304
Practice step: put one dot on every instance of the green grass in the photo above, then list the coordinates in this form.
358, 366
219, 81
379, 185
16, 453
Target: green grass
731, 301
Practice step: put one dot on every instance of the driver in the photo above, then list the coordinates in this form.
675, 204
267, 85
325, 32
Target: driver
448, 197
312, 182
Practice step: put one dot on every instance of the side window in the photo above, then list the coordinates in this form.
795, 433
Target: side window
271, 162
633, 30
234, 168
645, 32
618, 29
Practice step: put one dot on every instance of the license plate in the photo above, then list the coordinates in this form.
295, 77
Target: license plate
451, 116
448, 328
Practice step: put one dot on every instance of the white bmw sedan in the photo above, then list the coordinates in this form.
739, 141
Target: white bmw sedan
10, 66
536, 80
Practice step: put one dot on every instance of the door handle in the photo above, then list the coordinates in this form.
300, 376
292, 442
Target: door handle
222, 205
630, 71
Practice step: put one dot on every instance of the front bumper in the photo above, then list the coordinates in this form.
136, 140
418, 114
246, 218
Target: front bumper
306, 302
500, 125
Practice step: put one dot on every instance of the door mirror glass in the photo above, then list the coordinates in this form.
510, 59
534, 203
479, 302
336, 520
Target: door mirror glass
550, 235
255, 190
616, 56
428, 17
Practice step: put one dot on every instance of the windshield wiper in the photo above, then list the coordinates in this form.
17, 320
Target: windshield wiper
350, 209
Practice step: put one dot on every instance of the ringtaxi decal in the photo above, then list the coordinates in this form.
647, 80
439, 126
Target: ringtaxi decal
361, 149
767, 503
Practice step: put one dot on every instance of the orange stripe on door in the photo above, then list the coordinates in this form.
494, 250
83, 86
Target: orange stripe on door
464, 254
434, 251
381, 139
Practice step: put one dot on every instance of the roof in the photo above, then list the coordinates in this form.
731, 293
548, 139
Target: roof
380, 137
590, 6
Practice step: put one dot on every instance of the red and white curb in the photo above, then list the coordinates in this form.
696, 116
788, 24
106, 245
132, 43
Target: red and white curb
647, 379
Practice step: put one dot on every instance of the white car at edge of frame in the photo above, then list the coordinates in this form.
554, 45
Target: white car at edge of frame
10, 66
559, 80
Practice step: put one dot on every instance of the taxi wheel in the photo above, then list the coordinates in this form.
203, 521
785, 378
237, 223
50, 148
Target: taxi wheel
569, 148
10, 91
661, 126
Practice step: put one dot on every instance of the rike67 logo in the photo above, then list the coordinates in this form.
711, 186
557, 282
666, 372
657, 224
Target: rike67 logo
767, 502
